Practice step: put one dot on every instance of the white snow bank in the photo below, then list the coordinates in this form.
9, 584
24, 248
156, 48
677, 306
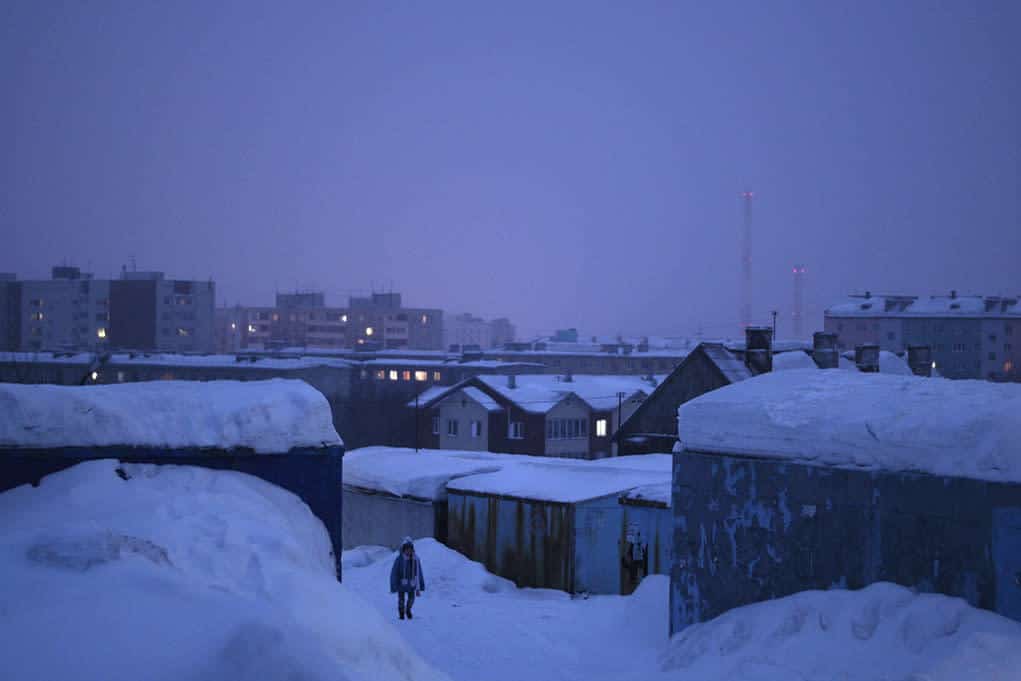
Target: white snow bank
175, 574
881, 632
266, 416
659, 493
848, 419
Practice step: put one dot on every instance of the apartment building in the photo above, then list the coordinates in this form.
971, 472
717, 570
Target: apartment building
970, 336
74, 311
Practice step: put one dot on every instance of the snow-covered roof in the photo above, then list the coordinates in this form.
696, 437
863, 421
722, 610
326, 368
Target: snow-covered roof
872, 421
933, 306
889, 363
732, 367
538, 393
557, 480
166, 359
272, 416
407, 473
658, 493
786, 361
482, 398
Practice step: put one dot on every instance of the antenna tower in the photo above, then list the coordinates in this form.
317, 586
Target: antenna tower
746, 261
799, 293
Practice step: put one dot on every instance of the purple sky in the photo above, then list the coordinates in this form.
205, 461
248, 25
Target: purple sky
564, 164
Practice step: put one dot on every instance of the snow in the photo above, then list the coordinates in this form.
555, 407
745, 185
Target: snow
538, 393
266, 416
854, 420
659, 493
475, 625
787, 361
180, 574
430, 473
125, 359
889, 363
557, 480
405, 473
734, 370
938, 306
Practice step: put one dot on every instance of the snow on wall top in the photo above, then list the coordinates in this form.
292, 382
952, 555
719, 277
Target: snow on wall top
889, 363
267, 416
873, 421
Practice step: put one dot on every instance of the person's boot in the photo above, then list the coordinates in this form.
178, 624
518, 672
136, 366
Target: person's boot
400, 610
409, 612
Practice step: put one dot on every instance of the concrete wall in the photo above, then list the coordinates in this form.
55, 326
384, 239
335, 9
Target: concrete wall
747, 530
381, 519
461, 408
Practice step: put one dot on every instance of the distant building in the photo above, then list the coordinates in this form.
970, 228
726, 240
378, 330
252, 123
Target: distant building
381, 321
74, 311
537, 414
467, 330
970, 336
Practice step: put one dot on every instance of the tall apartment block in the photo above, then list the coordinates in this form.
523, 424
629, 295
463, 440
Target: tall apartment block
72, 311
970, 336
467, 329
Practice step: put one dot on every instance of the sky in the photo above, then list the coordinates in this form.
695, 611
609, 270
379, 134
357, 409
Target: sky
565, 164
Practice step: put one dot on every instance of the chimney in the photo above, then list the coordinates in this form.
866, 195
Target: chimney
512, 381
866, 357
824, 350
758, 354
568, 376
920, 360
953, 294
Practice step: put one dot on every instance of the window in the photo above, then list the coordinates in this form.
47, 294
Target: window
566, 429
437, 375
369, 331
992, 338
958, 347
600, 427
101, 332
1007, 347
992, 356
1008, 330
1008, 367
36, 331
405, 375
37, 316
393, 374
251, 328
436, 425
425, 319
890, 335
36, 302
381, 374
343, 318
421, 375
452, 427
516, 430
183, 332
476, 428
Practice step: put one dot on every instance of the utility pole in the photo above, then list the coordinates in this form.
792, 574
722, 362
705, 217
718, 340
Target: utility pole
416, 421
774, 325
620, 403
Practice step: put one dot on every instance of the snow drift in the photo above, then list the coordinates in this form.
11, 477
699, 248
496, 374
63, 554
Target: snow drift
179, 573
265, 416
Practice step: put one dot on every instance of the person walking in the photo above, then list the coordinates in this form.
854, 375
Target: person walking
406, 578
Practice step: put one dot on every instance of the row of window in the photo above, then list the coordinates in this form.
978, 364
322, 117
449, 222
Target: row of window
515, 429
406, 375
566, 429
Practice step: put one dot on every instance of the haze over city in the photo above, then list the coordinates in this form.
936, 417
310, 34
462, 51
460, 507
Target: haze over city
571, 165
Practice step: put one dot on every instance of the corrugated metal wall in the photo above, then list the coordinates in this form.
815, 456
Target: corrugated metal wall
381, 519
652, 526
315, 475
529, 542
746, 530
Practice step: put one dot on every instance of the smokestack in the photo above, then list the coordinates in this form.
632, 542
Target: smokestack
824, 350
512, 381
920, 360
867, 358
758, 354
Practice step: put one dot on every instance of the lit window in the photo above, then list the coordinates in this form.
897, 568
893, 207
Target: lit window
95, 375
183, 332
369, 331
600, 427
393, 374
516, 430
406, 375
436, 425
452, 427
437, 375
100, 332
1008, 366
251, 328
421, 375
425, 319
476, 428
121, 377
343, 318
37, 316
233, 326
381, 374
276, 317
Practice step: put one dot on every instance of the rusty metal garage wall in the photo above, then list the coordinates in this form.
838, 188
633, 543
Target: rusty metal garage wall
529, 542
597, 546
654, 523
746, 530
381, 519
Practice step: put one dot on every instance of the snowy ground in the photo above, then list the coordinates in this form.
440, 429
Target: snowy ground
478, 627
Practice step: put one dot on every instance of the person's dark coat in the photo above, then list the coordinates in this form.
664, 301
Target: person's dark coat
406, 574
